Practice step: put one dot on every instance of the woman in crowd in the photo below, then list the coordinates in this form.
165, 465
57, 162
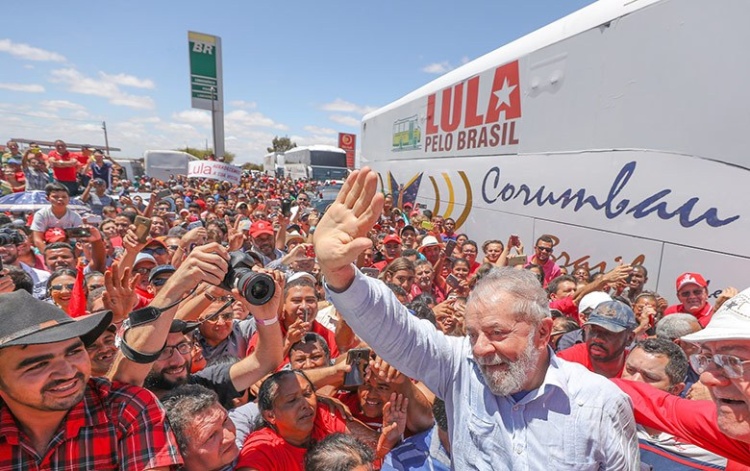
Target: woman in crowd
60, 287
292, 420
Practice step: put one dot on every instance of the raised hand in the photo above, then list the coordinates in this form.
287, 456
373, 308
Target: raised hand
341, 235
119, 295
394, 423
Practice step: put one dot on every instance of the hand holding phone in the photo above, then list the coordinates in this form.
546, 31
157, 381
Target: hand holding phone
142, 228
452, 281
450, 246
358, 358
77, 232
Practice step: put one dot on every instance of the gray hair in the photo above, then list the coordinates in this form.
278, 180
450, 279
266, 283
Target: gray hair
338, 452
530, 299
674, 326
183, 404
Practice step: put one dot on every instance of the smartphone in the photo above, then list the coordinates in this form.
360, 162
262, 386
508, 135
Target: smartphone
142, 228
371, 272
450, 246
514, 241
77, 232
452, 281
36, 150
359, 358
274, 204
306, 315
427, 225
163, 194
310, 252
93, 219
286, 208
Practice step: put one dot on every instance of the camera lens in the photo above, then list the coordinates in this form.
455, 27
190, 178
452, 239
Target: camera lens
257, 288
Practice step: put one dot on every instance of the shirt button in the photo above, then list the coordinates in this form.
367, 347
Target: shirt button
519, 449
580, 403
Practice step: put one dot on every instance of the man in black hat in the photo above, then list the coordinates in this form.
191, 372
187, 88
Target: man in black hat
53, 414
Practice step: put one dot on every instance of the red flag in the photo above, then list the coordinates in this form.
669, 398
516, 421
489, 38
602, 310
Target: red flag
77, 304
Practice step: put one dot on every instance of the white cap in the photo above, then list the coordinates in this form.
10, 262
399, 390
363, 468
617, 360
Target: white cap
301, 274
730, 322
144, 257
591, 300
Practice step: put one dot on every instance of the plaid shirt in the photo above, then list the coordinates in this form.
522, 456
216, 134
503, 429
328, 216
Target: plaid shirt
115, 426
36, 180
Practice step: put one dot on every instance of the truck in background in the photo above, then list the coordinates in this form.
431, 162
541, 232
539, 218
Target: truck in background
161, 164
619, 129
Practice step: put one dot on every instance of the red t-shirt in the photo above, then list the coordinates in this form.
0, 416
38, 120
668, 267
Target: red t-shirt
63, 174
266, 450
703, 316
579, 353
351, 400
317, 327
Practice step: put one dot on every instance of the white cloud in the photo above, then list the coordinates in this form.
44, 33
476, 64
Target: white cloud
105, 88
345, 120
128, 80
24, 51
315, 139
438, 68
248, 105
343, 106
22, 87
28, 66
196, 117
243, 118
62, 104
319, 130
42, 114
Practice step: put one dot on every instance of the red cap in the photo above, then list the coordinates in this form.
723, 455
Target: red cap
260, 228
200, 203
392, 238
691, 278
55, 234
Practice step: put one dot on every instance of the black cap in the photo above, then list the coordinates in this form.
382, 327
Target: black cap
158, 270
26, 320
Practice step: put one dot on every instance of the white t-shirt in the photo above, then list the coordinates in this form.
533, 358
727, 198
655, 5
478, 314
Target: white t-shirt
44, 219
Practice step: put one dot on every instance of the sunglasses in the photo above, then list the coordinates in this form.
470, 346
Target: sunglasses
68, 286
155, 251
545, 249
159, 281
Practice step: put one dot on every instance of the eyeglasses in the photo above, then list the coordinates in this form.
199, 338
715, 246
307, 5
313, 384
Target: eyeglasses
173, 247
93, 287
183, 348
155, 251
141, 271
687, 293
68, 286
731, 365
545, 249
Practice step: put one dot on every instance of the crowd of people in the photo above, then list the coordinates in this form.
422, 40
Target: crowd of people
200, 325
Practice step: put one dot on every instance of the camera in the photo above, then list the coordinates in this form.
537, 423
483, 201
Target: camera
257, 288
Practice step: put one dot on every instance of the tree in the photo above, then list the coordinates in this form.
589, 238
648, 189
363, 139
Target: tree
204, 153
252, 166
281, 144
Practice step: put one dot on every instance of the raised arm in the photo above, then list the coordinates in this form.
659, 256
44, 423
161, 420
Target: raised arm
414, 347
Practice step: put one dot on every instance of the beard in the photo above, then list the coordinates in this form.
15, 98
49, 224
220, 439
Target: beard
157, 381
512, 379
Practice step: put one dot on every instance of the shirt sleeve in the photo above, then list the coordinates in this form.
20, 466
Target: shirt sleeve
691, 421
415, 347
147, 441
217, 378
37, 223
620, 439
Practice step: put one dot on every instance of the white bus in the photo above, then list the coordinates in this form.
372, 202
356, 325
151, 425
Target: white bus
621, 129
316, 162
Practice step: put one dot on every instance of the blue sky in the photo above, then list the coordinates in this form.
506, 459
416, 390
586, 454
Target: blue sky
304, 69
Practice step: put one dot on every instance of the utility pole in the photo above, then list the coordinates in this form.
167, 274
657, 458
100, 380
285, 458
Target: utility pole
106, 140
213, 120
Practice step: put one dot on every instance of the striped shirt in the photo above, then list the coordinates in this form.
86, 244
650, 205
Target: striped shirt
115, 427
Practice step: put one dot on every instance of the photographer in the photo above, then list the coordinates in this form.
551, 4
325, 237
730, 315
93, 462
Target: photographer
163, 340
